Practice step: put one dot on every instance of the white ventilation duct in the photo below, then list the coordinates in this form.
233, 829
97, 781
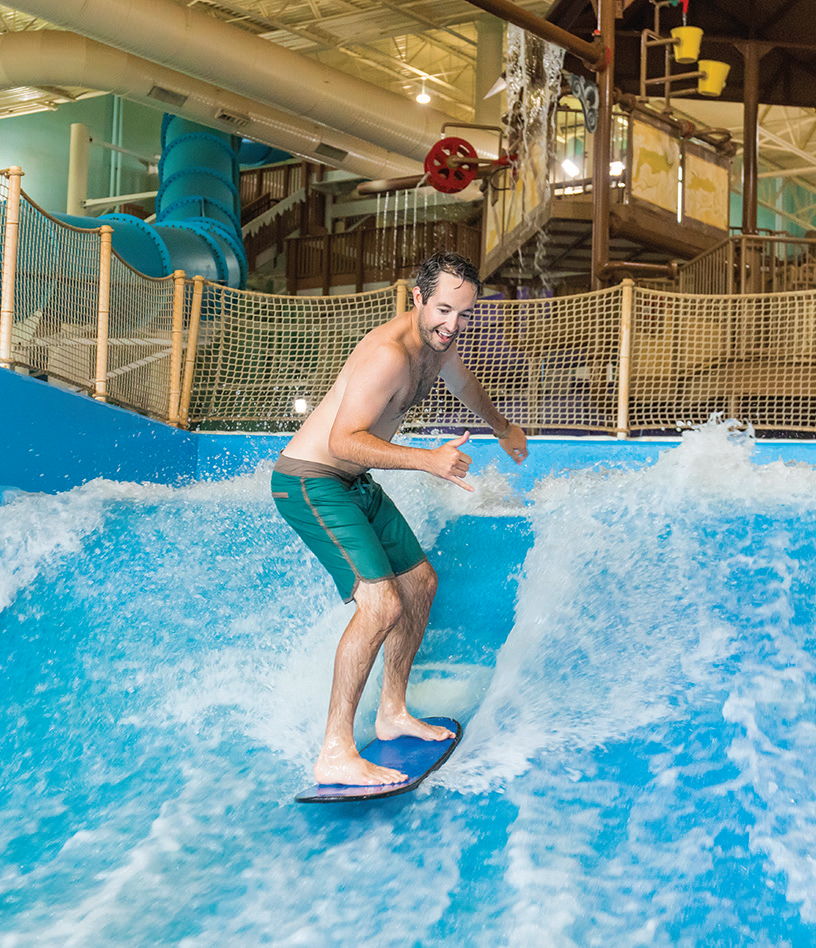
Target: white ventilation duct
178, 36
56, 58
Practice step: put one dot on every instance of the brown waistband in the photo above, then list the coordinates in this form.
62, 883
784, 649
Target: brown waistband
295, 467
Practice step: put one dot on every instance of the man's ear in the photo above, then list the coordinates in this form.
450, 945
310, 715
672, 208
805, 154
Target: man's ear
417, 295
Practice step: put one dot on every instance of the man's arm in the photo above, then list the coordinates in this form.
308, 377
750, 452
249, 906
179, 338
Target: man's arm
368, 396
462, 383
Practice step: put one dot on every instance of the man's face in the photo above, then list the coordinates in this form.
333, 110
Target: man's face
446, 312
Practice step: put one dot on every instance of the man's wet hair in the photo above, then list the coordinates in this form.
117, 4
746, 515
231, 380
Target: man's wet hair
445, 261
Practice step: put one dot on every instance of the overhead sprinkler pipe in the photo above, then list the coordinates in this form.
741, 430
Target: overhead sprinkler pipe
389, 185
450, 166
595, 55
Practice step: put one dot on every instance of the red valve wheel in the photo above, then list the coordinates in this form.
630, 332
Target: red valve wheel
451, 165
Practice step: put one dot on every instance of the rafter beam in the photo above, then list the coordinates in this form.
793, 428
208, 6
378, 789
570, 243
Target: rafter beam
786, 145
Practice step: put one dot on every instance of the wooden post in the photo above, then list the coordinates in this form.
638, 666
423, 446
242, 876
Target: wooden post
192, 344
627, 294
100, 386
327, 265
176, 333
292, 253
10, 241
359, 268
402, 296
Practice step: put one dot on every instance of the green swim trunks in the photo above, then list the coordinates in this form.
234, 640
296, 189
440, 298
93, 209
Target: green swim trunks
350, 524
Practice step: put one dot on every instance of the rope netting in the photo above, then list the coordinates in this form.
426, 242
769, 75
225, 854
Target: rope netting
56, 294
548, 364
271, 359
752, 358
139, 340
628, 359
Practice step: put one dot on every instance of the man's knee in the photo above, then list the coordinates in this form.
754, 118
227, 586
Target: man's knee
422, 581
429, 579
380, 603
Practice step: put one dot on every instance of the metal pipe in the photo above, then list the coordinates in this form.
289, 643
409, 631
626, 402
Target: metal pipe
10, 243
593, 54
114, 126
78, 158
603, 146
750, 159
118, 151
386, 185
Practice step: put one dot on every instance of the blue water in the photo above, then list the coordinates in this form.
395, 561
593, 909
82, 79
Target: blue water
631, 653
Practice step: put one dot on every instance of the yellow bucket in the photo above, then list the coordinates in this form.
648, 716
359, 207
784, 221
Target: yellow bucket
686, 43
713, 79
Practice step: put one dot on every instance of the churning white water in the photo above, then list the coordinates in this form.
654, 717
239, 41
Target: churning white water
631, 653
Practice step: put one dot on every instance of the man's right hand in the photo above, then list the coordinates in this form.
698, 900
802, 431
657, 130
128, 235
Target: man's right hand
451, 464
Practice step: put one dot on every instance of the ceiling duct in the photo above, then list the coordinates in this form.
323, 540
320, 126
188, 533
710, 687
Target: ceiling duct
167, 96
235, 119
179, 36
52, 57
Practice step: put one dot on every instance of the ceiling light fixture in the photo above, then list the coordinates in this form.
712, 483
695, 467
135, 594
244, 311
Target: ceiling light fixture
422, 97
570, 167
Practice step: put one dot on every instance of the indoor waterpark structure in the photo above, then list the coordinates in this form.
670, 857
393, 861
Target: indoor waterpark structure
204, 206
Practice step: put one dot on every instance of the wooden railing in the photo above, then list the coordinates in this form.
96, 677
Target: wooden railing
752, 264
302, 216
381, 255
277, 181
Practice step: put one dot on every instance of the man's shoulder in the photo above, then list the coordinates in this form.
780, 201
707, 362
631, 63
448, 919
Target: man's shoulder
387, 342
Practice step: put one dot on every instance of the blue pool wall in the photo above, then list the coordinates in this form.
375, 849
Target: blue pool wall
57, 439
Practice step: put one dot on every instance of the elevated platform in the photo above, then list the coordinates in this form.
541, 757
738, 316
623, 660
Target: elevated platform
563, 248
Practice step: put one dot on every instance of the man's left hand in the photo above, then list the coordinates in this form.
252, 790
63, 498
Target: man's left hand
514, 443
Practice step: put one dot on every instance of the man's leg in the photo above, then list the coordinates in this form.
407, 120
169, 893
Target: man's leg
378, 612
417, 589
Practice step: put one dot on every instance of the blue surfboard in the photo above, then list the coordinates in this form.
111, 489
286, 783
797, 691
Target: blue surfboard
409, 755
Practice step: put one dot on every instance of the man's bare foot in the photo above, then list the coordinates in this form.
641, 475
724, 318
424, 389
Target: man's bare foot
403, 724
351, 770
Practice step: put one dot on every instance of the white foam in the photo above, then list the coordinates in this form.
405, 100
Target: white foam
614, 614
643, 597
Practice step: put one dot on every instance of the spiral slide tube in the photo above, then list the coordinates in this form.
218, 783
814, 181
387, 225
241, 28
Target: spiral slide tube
198, 210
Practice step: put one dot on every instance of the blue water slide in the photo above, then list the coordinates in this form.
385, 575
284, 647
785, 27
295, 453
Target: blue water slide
198, 208
254, 154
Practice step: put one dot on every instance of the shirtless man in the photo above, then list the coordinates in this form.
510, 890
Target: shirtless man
322, 489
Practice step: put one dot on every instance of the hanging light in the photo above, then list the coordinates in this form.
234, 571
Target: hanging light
422, 97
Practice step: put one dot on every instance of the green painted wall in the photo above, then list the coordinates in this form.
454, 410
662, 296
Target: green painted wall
39, 144
784, 194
